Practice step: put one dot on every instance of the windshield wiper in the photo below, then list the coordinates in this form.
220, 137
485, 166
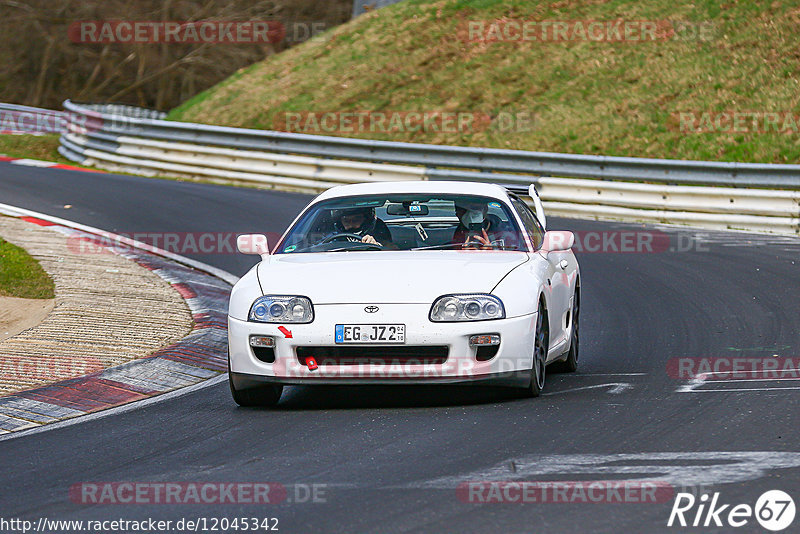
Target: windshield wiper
434, 247
358, 247
453, 245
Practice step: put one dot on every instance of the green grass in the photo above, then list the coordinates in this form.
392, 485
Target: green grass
41, 147
585, 97
44, 147
21, 275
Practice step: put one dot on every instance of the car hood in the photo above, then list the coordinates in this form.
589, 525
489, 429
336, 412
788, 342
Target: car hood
385, 277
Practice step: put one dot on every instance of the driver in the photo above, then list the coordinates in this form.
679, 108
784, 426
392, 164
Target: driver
362, 222
477, 227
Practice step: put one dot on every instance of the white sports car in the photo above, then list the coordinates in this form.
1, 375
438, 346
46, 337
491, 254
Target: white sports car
406, 283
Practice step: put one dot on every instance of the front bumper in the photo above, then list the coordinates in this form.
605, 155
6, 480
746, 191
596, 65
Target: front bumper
509, 379
509, 366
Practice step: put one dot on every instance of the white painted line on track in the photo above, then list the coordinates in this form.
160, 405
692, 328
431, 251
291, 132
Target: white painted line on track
734, 381
609, 374
703, 378
733, 390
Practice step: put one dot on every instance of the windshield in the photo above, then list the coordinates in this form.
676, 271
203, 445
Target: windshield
404, 222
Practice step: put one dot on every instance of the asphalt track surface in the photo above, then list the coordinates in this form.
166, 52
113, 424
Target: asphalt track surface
389, 458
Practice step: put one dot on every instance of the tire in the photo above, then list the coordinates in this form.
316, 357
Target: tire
570, 363
540, 346
265, 396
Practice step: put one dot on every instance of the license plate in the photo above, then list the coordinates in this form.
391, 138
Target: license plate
370, 333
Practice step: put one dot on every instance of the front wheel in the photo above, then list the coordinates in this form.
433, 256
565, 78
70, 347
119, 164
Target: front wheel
265, 396
540, 347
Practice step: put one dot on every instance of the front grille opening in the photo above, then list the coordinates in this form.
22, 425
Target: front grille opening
360, 355
486, 352
265, 354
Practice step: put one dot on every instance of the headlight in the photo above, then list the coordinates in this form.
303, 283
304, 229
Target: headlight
282, 309
478, 307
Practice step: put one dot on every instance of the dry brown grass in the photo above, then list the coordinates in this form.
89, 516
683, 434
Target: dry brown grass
587, 97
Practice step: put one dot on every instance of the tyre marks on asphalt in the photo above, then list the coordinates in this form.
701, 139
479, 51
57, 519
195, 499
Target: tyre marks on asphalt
607, 385
613, 388
678, 469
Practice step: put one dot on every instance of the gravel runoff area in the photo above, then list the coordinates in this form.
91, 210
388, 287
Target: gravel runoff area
108, 310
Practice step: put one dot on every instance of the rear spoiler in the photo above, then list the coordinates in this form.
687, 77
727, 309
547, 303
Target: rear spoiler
537, 202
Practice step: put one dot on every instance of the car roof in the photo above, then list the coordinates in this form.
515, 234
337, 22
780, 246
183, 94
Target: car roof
417, 186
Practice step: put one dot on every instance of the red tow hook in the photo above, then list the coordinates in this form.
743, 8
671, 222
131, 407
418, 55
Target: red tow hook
311, 363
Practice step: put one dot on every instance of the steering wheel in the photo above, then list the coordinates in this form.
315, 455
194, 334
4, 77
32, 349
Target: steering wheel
473, 244
346, 236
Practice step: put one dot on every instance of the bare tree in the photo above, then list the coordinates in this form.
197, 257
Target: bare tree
41, 66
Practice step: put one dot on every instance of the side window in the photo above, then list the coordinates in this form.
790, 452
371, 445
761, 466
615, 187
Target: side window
532, 226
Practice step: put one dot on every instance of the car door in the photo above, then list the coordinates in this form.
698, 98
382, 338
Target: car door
556, 286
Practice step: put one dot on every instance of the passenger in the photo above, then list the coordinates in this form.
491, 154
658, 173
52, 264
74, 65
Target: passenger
477, 228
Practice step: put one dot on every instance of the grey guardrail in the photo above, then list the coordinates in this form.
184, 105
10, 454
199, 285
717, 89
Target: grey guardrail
761, 197
441, 160
117, 109
26, 119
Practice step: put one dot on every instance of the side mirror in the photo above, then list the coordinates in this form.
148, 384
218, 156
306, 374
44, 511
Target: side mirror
253, 244
558, 241
537, 202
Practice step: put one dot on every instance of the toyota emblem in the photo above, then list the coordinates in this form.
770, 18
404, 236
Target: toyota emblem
371, 309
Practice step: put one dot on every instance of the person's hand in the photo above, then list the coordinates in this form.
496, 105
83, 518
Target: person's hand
484, 240
369, 239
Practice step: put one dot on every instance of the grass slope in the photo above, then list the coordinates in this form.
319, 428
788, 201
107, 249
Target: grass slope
585, 97
43, 147
22, 276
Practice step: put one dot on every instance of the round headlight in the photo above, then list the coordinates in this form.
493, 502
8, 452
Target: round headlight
466, 307
276, 310
472, 309
260, 310
298, 311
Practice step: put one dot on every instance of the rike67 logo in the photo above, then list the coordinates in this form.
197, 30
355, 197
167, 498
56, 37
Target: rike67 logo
774, 510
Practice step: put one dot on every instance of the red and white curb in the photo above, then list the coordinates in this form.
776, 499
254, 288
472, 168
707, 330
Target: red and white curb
44, 164
196, 361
